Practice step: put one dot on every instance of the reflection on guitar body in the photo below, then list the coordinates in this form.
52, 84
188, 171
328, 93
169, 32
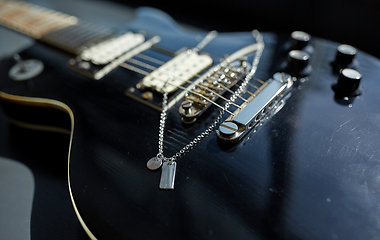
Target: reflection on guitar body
286, 122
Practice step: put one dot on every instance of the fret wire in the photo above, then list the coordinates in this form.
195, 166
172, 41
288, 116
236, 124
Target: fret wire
76, 34
76, 37
54, 20
83, 38
48, 27
47, 22
31, 19
14, 13
83, 33
68, 33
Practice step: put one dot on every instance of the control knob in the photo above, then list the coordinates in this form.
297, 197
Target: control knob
297, 64
301, 41
348, 83
345, 57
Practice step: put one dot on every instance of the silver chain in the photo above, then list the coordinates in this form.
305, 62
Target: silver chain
237, 93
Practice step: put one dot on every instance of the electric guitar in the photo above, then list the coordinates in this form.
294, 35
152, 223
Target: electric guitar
262, 136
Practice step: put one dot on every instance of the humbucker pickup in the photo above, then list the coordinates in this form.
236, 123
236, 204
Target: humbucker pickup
203, 82
99, 59
107, 51
261, 106
192, 65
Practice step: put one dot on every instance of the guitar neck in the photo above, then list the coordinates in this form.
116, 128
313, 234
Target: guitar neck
57, 29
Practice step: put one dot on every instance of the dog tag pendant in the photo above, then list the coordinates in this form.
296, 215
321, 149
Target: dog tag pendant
168, 175
154, 163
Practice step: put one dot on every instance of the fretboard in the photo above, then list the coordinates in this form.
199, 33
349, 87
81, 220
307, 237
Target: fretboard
58, 29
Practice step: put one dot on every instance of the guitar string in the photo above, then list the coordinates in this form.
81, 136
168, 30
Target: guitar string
134, 61
150, 67
159, 62
204, 97
188, 81
135, 69
130, 67
151, 59
160, 155
178, 86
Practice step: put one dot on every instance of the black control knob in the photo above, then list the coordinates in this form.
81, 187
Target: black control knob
345, 57
297, 64
301, 41
348, 83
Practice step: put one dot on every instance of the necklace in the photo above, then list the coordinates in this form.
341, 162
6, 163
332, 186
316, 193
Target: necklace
169, 163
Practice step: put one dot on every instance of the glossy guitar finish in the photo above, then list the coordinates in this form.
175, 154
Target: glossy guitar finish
311, 172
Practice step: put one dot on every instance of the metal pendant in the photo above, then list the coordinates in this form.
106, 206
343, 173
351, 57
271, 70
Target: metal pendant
154, 163
168, 175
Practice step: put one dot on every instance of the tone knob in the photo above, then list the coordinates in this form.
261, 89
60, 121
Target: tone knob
345, 57
301, 41
297, 64
348, 83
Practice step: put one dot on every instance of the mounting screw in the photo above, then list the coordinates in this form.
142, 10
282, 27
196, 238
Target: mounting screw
186, 105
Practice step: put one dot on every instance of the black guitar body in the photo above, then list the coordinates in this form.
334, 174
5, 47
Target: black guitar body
311, 172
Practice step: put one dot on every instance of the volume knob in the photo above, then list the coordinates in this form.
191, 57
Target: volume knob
348, 83
345, 57
301, 41
297, 63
